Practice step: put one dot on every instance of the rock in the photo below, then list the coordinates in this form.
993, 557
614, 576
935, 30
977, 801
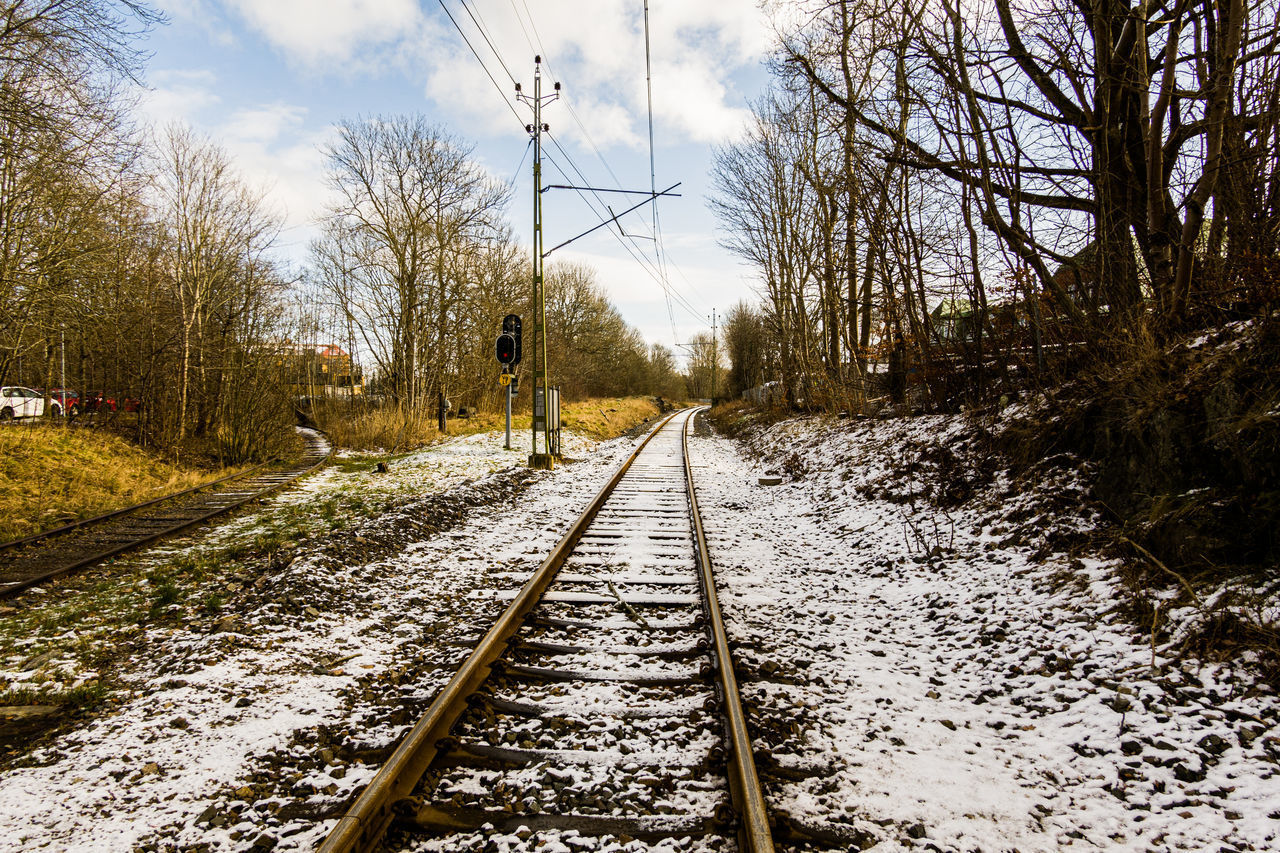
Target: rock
951, 726
1183, 773
311, 611
326, 755
150, 769
1131, 747
179, 723
381, 468
916, 830
36, 661
244, 702
1213, 744
208, 815
26, 712
245, 793
227, 623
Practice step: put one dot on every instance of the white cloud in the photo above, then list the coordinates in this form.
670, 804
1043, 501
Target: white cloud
263, 124
178, 95
599, 56
316, 32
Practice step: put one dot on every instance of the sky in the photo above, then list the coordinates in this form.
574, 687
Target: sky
269, 79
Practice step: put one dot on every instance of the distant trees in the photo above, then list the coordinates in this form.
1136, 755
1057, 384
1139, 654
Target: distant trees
416, 257
130, 265
140, 264
412, 217
1029, 174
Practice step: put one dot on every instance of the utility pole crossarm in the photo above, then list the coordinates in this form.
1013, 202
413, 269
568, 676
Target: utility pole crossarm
614, 218
610, 190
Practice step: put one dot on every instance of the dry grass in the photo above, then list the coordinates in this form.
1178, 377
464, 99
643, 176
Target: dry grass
51, 474
607, 417
394, 431
390, 429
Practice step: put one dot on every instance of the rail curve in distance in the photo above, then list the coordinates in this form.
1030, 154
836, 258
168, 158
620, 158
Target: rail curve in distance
602, 701
28, 562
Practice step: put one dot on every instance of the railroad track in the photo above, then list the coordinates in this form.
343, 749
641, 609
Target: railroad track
602, 701
25, 563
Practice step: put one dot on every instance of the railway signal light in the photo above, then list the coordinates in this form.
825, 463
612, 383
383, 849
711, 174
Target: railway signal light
511, 326
506, 349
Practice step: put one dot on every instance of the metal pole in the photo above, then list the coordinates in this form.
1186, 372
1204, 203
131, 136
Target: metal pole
545, 458
508, 416
62, 346
539, 353
715, 356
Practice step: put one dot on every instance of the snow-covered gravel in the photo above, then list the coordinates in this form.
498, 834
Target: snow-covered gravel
922, 678
966, 692
250, 734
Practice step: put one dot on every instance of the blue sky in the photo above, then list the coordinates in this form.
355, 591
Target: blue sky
267, 80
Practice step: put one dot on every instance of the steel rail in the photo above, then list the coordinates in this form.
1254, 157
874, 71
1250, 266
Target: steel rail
364, 824
744, 783
98, 519
12, 589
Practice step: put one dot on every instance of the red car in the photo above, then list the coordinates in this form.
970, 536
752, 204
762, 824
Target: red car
63, 401
98, 401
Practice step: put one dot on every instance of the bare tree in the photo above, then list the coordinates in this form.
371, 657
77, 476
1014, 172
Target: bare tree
217, 231
412, 215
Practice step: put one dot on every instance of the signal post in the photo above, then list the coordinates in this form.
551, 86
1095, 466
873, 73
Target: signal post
509, 351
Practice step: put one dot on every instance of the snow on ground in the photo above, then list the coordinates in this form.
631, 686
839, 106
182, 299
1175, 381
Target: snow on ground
963, 689
931, 679
226, 731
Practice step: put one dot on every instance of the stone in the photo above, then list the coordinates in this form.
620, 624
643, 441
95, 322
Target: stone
26, 712
1213, 744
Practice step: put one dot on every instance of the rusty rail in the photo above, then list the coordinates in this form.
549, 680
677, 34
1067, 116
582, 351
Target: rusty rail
8, 590
363, 826
754, 834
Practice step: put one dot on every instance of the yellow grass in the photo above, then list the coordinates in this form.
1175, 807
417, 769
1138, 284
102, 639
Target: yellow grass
395, 431
50, 475
607, 418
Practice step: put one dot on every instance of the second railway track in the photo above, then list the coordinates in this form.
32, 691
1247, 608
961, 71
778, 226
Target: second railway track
32, 561
602, 704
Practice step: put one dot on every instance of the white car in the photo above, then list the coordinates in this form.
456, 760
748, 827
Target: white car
19, 402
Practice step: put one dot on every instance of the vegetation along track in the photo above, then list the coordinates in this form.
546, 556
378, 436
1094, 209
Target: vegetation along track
602, 701
27, 562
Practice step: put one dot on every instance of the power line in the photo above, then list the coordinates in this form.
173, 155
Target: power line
631, 248
645, 263
658, 273
482, 62
485, 34
653, 173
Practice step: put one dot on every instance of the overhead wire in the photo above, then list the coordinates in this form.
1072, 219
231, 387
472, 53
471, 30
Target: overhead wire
653, 176
484, 32
483, 65
631, 247
658, 273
